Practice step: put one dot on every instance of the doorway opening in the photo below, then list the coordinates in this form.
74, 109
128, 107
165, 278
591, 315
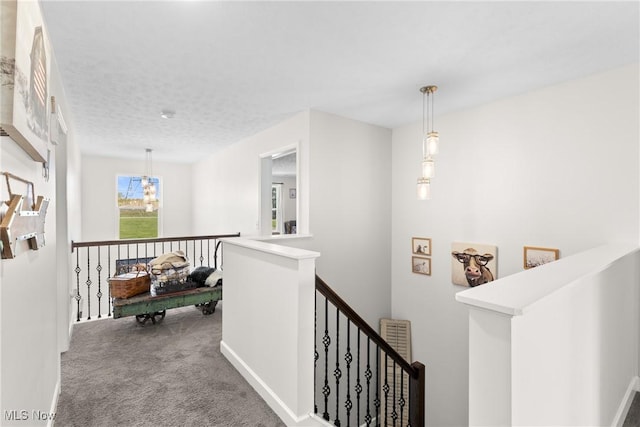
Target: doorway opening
279, 192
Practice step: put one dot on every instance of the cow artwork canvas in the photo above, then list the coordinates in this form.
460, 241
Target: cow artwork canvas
473, 264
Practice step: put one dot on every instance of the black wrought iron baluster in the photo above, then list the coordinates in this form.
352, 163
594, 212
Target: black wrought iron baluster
348, 357
385, 389
99, 294
402, 401
128, 251
337, 373
171, 246
137, 253
209, 253
358, 385
215, 254
119, 257
78, 297
316, 356
326, 341
109, 275
368, 374
162, 247
201, 253
376, 402
221, 253
394, 413
88, 282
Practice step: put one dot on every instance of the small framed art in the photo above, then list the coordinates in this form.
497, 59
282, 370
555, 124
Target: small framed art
534, 256
421, 265
421, 246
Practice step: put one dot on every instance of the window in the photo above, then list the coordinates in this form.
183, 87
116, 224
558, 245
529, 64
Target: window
276, 208
137, 218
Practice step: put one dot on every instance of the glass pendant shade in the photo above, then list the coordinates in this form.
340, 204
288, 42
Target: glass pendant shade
428, 168
432, 143
144, 181
424, 189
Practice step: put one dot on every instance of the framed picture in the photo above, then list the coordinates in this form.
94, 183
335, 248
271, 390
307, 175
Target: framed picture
534, 256
24, 77
421, 265
292, 193
473, 264
421, 246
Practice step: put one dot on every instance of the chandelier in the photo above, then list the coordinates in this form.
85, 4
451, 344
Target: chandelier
148, 187
430, 141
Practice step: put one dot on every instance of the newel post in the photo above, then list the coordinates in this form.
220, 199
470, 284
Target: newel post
416, 396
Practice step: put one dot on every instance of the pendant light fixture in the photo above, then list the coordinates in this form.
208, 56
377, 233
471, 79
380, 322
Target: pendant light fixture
430, 141
148, 187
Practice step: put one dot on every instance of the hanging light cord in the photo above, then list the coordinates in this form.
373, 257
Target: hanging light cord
431, 97
424, 152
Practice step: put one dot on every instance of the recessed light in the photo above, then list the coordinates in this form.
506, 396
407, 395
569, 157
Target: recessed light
167, 114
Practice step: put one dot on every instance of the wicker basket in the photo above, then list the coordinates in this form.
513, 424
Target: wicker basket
129, 284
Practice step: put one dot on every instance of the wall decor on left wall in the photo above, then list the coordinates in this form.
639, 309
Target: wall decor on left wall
22, 224
26, 63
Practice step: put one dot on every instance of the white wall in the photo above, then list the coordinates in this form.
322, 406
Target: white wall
575, 354
228, 182
69, 214
268, 304
350, 214
34, 293
558, 344
556, 168
344, 184
30, 357
99, 195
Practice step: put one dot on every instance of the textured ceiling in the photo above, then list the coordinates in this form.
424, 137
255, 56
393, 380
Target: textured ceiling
232, 69
284, 166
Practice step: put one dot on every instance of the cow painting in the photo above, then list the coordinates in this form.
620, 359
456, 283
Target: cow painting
474, 265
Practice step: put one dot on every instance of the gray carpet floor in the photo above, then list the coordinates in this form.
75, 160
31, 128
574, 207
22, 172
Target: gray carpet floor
633, 417
118, 373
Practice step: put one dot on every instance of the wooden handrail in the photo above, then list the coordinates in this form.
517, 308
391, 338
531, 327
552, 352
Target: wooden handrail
149, 240
355, 318
415, 370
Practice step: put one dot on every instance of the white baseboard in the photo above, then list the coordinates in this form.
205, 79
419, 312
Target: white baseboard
623, 409
54, 404
321, 421
279, 407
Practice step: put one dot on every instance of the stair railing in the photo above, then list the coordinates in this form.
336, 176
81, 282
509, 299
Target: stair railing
97, 261
363, 379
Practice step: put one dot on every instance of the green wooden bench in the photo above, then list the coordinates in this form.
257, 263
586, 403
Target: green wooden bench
146, 307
